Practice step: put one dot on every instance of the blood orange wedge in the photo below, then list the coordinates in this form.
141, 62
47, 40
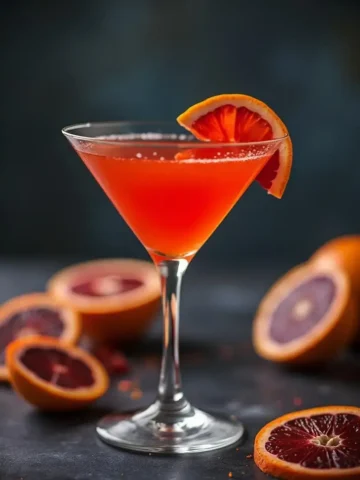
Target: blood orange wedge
308, 316
241, 118
320, 443
35, 314
54, 376
116, 299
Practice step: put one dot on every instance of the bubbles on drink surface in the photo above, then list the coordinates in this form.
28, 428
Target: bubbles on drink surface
149, 136
187, 149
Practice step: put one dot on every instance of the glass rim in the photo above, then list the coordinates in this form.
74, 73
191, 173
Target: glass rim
67, 131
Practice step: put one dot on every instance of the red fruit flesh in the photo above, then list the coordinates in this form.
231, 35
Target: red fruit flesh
302, 309
56, 367
105, 286
269, 172
320, 441
231, 124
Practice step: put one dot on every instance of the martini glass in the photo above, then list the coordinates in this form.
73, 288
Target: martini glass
173, 191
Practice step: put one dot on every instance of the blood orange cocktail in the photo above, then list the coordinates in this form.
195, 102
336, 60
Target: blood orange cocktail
173, 191
171, 201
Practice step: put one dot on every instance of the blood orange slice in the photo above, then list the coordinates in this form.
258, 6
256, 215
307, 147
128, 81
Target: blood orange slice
308, 316
116, 299
241, 118
35, 314
320, 443
54, 376
343, 252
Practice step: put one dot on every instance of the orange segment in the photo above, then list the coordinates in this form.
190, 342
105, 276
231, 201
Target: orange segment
35, 314
241, 118
54, 376
319, 443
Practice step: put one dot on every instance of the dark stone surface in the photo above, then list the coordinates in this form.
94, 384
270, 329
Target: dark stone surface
220, 372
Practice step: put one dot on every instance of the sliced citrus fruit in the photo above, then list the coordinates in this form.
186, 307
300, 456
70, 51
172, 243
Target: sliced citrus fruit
320, 443
35, 314
54, 376
241, 118
308, 316
117, 299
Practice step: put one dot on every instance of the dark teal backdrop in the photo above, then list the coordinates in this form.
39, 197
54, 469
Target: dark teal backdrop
67, 62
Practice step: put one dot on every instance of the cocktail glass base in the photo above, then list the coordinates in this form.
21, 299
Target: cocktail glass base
156, 430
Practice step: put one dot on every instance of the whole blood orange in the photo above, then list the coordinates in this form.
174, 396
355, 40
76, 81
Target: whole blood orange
320, 443
35, 314
54, 376
237, 118
308, 316
116, 299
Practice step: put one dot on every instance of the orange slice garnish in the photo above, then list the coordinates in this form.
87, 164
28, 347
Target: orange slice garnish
54, 376
241, 118
319, 443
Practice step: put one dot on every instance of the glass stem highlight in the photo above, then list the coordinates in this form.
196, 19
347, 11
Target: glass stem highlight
170, 394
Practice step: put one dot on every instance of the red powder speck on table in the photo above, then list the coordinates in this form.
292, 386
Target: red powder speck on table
113, 360
125, 385
136, 394
297, 401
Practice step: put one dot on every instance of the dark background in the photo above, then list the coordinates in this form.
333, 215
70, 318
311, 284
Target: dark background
76, 61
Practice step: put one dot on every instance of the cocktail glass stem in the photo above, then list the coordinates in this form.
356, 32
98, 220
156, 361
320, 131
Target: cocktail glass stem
172, 203
171, 424
170, 394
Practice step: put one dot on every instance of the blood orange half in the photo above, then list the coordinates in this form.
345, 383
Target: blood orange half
54, 376
241, 118
320, 443
307, 317
35, 314
116, 298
